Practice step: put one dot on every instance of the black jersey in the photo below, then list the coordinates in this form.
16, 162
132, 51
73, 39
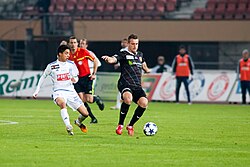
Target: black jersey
131, 68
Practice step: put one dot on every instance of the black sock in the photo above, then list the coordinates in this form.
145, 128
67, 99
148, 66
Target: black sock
95, 98
123, 112
91, 115
138, 113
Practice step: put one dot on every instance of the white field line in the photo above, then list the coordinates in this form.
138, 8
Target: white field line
5, 122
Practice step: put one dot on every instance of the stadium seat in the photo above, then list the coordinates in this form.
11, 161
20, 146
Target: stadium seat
211, 6
160, 7
90, 5
207, 15
247, 15
80, 7
242, 7
59, 6
230, 11
198, 13
150, 6
171, 5
139, 6
129, 7
119, 6
110, 7
220, 10
70, 6
100, 6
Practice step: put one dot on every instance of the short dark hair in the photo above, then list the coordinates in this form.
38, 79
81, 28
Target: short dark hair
62, 48
182, 47
132, 36
73, 37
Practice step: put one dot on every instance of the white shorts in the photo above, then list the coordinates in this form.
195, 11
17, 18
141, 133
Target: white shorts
71, 98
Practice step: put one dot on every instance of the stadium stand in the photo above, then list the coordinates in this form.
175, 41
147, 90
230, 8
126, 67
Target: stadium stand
224, 9
91, 9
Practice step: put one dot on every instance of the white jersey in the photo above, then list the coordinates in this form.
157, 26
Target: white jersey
61, 74
91, 63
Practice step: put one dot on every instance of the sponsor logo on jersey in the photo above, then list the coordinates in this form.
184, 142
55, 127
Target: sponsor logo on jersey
63, 77
56, 66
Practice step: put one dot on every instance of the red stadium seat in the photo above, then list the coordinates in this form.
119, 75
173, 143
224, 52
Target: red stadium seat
100, 6
70, 6
80, 7
207, 15
90, 5
110, 6
129, 7
211, 6
198, 13
119, 6
242, 7
59, 6
171, 5
239, 15
150, 6
160, 7
139, 6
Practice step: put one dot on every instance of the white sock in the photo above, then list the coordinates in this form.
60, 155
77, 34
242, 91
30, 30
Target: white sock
118, 100
65, 116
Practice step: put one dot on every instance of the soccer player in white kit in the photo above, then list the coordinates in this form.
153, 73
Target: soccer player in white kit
63, 74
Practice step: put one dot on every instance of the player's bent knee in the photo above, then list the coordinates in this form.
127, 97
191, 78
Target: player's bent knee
143, 102
127, 101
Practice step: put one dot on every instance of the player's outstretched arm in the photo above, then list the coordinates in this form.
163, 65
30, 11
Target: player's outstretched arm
110, 60
145, 67
41, 80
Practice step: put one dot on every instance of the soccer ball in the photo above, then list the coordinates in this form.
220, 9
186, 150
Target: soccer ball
150, 129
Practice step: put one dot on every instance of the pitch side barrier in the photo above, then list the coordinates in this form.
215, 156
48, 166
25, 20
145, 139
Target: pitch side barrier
205, 86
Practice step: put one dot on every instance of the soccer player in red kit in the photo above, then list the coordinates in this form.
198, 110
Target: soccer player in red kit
84, 86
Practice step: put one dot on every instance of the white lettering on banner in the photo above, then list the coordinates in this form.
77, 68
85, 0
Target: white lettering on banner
28, 81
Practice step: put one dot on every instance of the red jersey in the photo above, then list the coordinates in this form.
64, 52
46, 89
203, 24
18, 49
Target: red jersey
244, 70
182, 66
80, 57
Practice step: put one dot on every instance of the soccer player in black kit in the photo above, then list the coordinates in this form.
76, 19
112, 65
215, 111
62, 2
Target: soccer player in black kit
132, 63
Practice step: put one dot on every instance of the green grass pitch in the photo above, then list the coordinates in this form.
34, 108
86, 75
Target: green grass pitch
197, 135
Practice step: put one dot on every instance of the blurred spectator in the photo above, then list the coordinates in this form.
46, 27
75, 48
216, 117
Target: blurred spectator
43, 5
161, 66
244, 74
183, 71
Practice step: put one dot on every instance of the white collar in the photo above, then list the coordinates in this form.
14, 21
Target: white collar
126, 49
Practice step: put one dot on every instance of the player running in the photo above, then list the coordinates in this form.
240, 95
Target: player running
84, 86
132, 63
84, 44
63, 74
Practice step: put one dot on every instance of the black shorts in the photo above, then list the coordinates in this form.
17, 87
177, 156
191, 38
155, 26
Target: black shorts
137, 92
84, 85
